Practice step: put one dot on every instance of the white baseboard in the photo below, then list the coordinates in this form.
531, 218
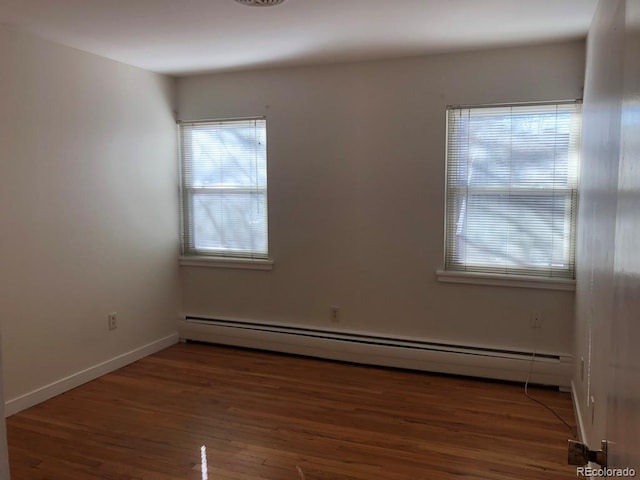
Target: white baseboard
576, 408
582, 432
62, 385
390, 352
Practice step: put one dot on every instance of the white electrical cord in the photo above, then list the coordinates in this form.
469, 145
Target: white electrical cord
573, 430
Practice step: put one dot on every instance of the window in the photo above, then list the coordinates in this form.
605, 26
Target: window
512, 189
224, 188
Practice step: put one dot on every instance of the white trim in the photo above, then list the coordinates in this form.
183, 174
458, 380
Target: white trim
373, 350
516, 104
582, 433
4, 452
74, 380
338, 333
226, 262
218, 120
519, 281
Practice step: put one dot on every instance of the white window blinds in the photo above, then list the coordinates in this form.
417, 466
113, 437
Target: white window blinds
224, 188
512, 189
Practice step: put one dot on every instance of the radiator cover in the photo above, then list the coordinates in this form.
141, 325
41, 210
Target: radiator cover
415, 354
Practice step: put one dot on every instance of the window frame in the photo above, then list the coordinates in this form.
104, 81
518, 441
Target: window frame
489, 274
217, 257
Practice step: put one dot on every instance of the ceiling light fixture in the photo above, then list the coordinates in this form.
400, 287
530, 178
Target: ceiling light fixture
260, 3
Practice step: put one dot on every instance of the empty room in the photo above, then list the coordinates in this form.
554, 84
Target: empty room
319, 239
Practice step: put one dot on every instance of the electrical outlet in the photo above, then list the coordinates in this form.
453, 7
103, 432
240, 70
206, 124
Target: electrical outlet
535, 321
113, 320
334, 314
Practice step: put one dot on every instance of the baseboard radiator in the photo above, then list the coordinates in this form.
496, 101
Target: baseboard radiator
475, 361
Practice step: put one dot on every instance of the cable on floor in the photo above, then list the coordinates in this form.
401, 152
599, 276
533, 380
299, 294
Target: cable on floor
573, 430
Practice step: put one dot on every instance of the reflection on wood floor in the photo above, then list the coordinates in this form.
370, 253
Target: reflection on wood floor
261, 415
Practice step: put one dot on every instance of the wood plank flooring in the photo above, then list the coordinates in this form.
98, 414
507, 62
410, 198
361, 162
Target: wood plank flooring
259, 415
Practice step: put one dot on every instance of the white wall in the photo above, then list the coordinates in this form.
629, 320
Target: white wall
608, 295
597, 214
356, 195
88, 210
623, 408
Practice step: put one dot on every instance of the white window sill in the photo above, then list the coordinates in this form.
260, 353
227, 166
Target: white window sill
223, 262
506, 280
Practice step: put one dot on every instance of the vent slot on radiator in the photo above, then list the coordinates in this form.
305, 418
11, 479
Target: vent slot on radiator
370, 339
389, 351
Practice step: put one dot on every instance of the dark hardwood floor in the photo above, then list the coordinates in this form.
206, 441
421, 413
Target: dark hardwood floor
259, 415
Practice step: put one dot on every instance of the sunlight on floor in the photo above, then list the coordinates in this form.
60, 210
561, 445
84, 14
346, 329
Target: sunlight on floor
203, 462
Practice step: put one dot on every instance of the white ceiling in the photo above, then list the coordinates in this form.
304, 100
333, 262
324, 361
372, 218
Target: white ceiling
190, 36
